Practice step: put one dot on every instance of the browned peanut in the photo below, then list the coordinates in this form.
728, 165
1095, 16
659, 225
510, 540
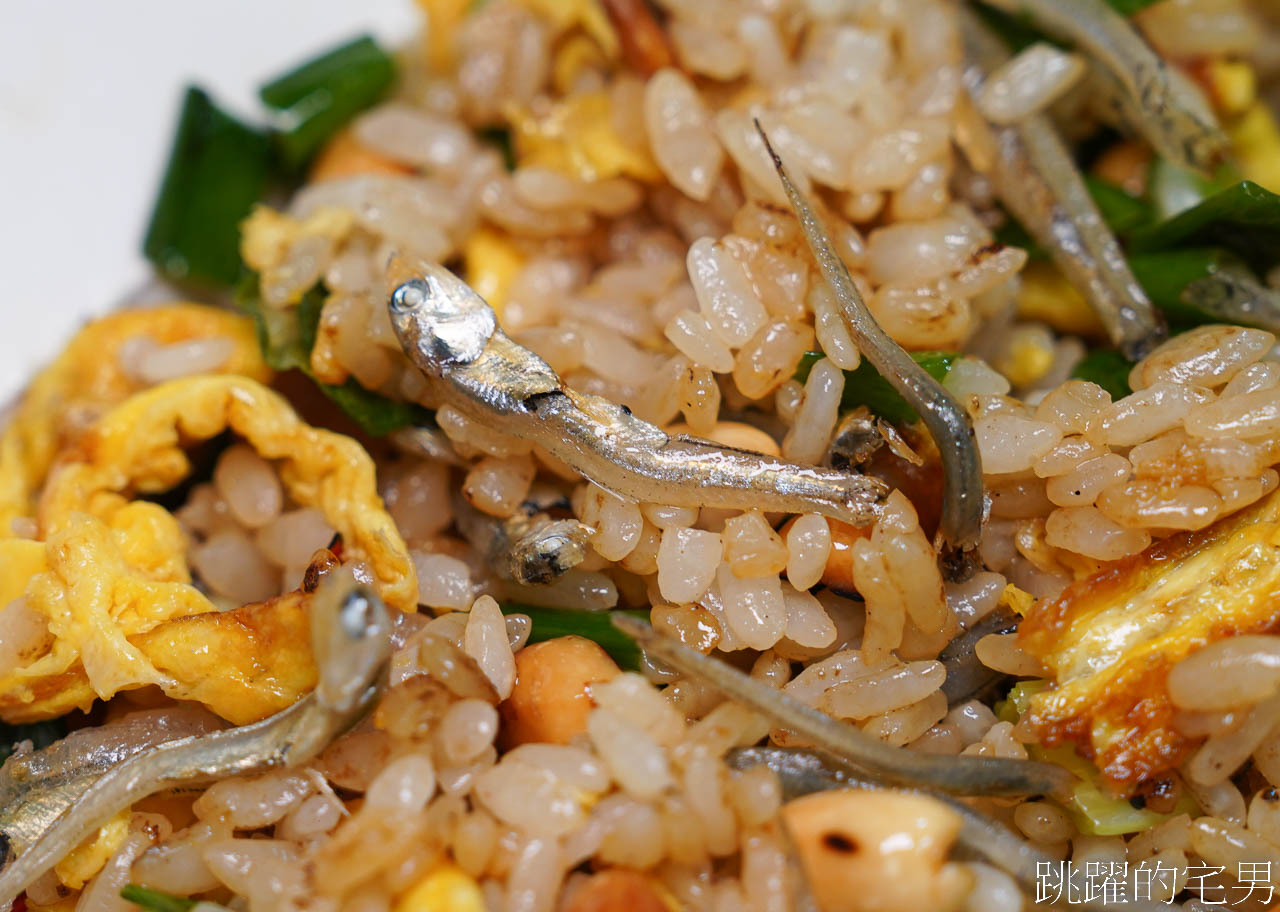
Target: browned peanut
617, 890
877, 851
550, 701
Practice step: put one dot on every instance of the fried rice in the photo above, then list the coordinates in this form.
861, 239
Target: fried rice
598, 172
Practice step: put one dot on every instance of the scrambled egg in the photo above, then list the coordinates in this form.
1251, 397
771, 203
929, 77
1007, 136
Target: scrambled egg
79, 866
1111, 639
266, 235
87, 379
110, 575
578, 136
445, 888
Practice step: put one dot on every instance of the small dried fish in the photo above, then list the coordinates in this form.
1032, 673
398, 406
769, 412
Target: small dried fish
529, 548
1037, 180
452, 336
890, 765
36, 787
1233, 295
1163, 103
351, 640
967, 677
802, 772
547, 550
856, 439
946, 421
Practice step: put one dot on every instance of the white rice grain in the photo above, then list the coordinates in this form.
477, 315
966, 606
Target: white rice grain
1028, 83
687, 562
682, 141
724, 292
485, 640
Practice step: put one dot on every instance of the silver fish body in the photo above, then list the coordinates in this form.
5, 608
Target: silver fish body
450, 334
351, 640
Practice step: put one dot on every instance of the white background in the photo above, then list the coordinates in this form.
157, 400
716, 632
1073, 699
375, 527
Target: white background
89, 92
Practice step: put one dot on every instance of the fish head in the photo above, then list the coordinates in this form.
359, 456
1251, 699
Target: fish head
438, 319
351, 639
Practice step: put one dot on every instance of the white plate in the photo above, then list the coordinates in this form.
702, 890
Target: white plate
89, 92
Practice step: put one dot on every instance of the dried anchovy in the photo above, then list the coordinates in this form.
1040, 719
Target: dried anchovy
803, 772
967, 677
946, 421
1233, 295
37, 786
1037, 180
529, 548
1164, 104
452, 336
351, 639
856, 439
892, 765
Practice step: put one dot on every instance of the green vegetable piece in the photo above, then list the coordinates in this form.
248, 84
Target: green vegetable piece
311, 103
40, 734
217, 170
863, 386
1012, 234
1129, 7
1109, 369
155, 900
1014, 29
549, 623
500, 138
1018, 699
286, 337
377, 415
1164, 275
1244, 218
1172, 189
1122, 212
1094, 809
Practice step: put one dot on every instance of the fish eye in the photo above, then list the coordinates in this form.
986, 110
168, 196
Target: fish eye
410, 295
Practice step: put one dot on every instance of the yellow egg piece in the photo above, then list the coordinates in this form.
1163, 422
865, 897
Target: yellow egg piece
114, 587
446, 888
79, 865
90, 376
491, 261
1234, 85
589, 15
1256, 139
1047, 297
578, 136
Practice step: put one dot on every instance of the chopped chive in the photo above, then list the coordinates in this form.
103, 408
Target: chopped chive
155, 900
500, 139
217, 170
1166, 274
864, 386
1109, 369
1243, 217
311, 103
1121, 211
549, 623
286, 337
